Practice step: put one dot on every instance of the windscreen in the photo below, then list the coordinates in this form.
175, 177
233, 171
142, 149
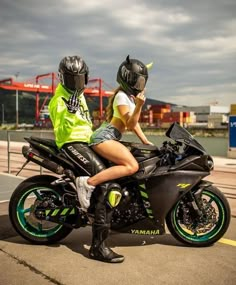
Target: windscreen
178, 133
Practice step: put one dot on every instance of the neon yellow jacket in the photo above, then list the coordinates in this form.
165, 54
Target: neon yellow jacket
69, 127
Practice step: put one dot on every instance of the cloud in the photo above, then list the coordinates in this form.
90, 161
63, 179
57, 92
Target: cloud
192, 43
217, 94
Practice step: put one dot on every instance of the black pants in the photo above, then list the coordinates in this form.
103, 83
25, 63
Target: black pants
84, 158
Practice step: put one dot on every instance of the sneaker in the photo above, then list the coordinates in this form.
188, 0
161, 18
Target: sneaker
84, 191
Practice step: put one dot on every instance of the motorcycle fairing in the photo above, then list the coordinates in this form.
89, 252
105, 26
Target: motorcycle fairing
164, 191
147, 168
146, 226
193, 162
151, 167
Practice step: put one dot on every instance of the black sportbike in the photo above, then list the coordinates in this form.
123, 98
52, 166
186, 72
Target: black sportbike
167, 190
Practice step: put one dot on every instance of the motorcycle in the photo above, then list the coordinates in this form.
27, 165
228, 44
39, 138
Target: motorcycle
168, 190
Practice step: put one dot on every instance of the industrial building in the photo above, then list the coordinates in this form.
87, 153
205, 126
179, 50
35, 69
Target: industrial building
212, 116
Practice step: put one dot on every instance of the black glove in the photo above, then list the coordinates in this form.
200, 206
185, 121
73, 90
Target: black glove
72, 104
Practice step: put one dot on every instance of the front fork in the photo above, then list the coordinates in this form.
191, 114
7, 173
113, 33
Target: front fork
194, 197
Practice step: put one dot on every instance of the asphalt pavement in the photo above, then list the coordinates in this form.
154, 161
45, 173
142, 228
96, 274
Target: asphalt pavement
149, 259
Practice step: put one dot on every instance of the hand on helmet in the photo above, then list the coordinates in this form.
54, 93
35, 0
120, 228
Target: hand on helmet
72, 104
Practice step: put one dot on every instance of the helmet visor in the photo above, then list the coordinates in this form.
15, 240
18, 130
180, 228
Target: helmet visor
134, 79
74, 82
140, 83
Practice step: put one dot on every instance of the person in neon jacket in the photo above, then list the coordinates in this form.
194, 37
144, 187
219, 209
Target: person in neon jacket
69, 111
72, 125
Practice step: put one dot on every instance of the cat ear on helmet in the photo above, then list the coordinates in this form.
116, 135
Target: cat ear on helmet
127, 59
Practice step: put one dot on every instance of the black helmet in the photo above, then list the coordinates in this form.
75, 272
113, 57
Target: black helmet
132, 76
73, 73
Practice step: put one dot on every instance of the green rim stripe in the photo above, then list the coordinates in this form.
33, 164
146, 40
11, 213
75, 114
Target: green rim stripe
23, 221
211, 234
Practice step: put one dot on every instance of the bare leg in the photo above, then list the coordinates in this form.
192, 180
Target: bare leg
118, 154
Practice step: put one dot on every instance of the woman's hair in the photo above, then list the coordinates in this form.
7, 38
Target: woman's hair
109, 108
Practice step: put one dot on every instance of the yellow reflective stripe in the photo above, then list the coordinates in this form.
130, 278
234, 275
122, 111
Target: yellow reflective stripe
72, 212
149, 211
55, 212
64, 211
144, 194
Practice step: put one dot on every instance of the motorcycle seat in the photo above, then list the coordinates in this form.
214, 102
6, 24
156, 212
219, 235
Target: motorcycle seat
47, 148
48, 142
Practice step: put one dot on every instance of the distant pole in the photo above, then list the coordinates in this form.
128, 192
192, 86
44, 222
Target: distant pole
17, 106
2, 114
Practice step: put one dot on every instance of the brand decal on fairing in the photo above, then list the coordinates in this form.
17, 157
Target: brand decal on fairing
183, 185
145, 232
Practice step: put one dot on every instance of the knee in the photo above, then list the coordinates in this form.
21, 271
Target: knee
132, 167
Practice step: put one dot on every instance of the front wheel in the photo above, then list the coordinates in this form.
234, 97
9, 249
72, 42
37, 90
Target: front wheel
26, 198
201, 229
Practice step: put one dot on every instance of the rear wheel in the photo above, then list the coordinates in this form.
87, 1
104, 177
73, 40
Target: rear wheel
22, 210
203, 229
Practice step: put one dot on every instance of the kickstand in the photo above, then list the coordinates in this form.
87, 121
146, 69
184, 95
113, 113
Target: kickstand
27, 161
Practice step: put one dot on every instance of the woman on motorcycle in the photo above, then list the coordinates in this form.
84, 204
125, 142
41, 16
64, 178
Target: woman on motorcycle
123, 114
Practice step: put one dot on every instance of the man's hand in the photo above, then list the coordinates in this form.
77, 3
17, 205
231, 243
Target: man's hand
72, 104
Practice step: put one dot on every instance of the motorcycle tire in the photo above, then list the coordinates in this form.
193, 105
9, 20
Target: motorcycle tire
209, 227
21, 211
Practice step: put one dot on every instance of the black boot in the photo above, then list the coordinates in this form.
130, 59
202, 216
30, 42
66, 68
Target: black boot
99, 250
100, 229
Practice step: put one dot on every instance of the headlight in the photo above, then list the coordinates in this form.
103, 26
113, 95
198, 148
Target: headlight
210, 163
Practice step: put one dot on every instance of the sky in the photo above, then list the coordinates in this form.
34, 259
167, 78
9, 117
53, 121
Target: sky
191, 43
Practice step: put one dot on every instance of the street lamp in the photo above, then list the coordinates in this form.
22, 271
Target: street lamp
17, 108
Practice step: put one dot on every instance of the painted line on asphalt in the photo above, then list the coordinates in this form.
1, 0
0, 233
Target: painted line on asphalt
227, 241
4, 201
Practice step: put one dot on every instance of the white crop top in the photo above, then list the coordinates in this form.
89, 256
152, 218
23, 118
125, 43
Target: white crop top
122, 99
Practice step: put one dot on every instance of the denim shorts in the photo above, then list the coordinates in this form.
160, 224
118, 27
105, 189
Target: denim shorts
104, 133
